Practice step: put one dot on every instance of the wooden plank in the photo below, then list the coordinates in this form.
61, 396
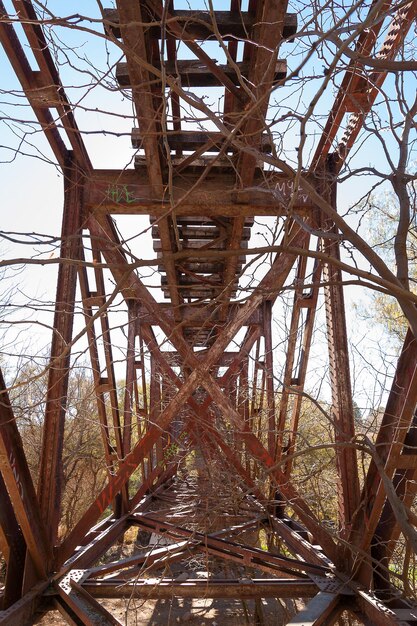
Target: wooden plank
230, 24
194, 316
194, 73
200, 247
201, 233
180, 33
192, 139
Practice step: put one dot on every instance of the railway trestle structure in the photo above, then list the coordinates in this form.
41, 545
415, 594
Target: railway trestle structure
185, 387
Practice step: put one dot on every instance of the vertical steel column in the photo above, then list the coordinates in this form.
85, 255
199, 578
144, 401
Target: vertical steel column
242, 406
130, 378
388, 528
143, 374
19, 485
342, 403
142, 412
254, 395
269, 370
88, 300
244, 378
156, 401
289, 362
296, 386
108, 381
103, 373
15, 547
166, 393
50, 474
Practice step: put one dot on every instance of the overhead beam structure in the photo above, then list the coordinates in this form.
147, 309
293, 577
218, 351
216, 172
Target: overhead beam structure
200, 352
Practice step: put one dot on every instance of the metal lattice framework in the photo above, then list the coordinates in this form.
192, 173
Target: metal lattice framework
202, 190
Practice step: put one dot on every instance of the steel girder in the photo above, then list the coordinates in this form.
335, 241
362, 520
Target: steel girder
189, 401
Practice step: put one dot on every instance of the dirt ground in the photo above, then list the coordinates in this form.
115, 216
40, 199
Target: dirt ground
201, 612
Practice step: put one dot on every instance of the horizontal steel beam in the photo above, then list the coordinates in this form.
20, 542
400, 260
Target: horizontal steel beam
129, 192
159, 588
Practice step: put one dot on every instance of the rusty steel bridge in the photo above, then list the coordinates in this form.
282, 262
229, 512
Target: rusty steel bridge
202, 190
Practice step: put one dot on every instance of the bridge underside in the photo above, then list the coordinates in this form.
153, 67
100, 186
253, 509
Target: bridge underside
201, 399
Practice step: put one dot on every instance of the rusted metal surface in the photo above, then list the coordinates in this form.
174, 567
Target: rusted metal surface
28, 80
129, 192
95, 304
293, 386
18, 481
317, 611
50, 473
342, 398
13, 548
268, 288
202, 190
396, 424
197, 588
84, 606
253, 557
21, 612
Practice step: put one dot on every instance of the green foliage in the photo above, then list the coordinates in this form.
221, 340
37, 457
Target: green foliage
314, 469
83, 464
383, 218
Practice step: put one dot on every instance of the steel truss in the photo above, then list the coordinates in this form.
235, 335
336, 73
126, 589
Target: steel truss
202, 210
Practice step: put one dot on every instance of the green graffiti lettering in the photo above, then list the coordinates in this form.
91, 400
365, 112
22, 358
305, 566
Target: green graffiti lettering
120, 194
